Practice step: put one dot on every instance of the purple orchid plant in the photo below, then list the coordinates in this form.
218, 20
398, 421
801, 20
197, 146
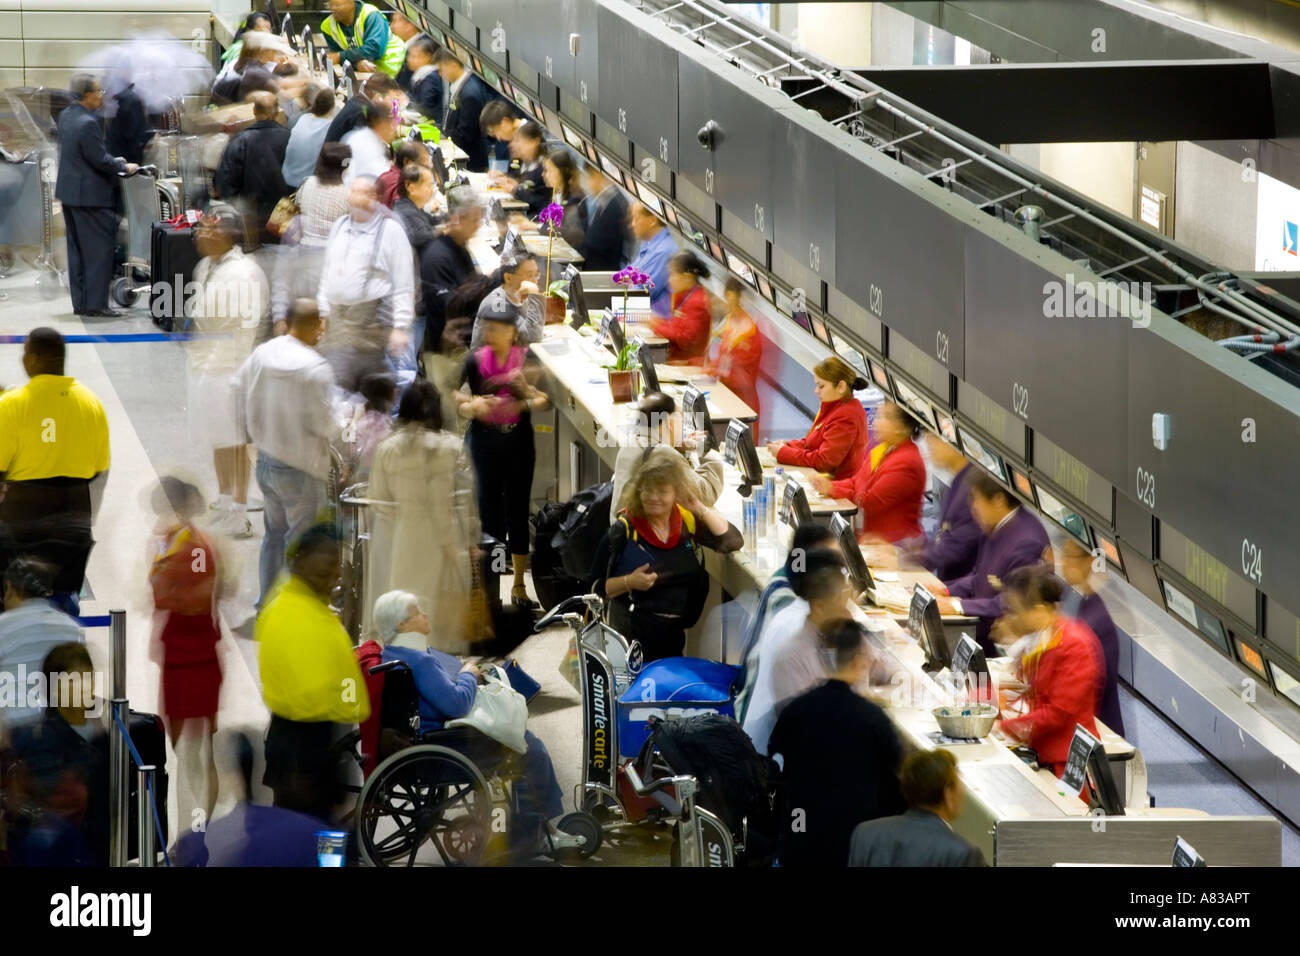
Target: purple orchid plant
630, 278
552, 217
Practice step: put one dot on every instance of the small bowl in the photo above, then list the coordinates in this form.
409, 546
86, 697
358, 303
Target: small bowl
966, 721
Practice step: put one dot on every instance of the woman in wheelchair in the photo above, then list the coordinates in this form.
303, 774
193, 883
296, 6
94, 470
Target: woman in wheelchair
447, 688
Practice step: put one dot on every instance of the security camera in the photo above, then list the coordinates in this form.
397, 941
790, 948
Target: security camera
710, 135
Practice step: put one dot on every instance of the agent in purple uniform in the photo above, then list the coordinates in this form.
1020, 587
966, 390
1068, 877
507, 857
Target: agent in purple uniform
952, 551
1012, 538
1083, 602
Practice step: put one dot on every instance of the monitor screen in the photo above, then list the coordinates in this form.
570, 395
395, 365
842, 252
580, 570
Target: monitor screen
611, 331
1250, 657
970, 667
577, 298
1051, 506
741, 268
590, 151
1185, 854
1088, 769
331, 847
795, 509
850, 354
508, 89
1195, 617
441, 174
880, 375
1109, 549
696, 417
512, 245
611, 169
819, 329
670, 213
648, 198
803, 319
490, 75
765, 288
948, 430
739, 450
715, 249
476, 63
914, 403
1023, 485
974, 449
854, 562
571, 137
649, 377
925, 625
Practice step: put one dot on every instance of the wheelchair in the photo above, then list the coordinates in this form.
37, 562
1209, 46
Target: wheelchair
448, 790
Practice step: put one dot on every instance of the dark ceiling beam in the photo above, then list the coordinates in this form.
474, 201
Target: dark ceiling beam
1098, 102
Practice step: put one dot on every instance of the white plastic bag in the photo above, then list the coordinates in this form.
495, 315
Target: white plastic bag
499, 711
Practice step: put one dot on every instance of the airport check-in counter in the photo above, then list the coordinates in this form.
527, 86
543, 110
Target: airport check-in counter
1016, 815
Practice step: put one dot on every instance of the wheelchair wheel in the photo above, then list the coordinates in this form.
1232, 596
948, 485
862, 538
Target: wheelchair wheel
583, 825
122, 292
424, 794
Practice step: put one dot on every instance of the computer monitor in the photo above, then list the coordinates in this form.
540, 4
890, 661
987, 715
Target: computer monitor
925, 625
331, 847
969, 666
854, 562
512, 245
740, 451
1088, 770
795, 509
1185, 854
441, 174
577, 298
286, 28
496, 212
611, 331
695, 415
649, 377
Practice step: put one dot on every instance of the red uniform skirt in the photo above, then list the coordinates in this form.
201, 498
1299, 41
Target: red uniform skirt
191, 671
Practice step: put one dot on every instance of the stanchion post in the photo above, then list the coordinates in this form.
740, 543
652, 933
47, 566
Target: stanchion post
144, 815
119, 757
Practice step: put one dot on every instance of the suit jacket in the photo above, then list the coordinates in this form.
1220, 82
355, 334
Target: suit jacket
841, 767
462, 121
604, 245
890, 494
426, 96
836, 443
1018, 543
251, 167
951, 554
690, 328
129, 131
87, 172
1092, 611
915, 838
444, 266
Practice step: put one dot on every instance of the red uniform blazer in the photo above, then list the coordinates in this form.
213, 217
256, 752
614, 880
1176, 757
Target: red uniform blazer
836, 443
1062, 692
689, 328
890, 494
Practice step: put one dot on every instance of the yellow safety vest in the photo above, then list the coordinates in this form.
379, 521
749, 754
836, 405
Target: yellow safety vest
394, 56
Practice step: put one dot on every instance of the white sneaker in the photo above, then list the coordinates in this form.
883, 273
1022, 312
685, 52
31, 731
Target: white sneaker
233, 524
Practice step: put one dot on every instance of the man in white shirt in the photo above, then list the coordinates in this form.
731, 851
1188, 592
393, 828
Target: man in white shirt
232, 298
283, 400
30, 628
367, 288
794, 659
372, 152
518, 282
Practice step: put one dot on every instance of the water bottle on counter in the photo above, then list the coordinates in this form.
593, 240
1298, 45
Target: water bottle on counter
760, 510
750, 521
769, 498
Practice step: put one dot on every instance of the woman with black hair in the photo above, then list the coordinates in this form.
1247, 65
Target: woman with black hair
425, 529
526, 178
889, 486
689, 328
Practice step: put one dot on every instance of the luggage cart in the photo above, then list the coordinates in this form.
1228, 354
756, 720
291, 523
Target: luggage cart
143, 207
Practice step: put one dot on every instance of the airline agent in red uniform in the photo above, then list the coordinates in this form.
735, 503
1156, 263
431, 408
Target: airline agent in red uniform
889, 486
690, 327
1062, 666
837, 442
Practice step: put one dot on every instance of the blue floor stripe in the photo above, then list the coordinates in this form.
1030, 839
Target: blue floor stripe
110, 337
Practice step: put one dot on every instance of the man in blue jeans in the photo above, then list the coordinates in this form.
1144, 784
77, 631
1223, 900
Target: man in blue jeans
283, 397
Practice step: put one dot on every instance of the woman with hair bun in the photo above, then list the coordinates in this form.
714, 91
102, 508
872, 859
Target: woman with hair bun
689, 328
837, 442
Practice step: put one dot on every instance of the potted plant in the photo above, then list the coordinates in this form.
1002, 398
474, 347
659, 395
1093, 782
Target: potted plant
557, 300
629, 278
624, 377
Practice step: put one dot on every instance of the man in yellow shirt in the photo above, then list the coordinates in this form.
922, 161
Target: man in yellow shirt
53, 442
311, 680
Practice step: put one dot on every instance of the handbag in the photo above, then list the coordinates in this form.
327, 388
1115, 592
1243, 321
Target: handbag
499, 711
284, 213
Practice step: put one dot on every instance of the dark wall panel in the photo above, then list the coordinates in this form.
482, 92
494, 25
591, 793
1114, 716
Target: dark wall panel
1233, 497
900, 257
640, 103
803, 221
1066, 377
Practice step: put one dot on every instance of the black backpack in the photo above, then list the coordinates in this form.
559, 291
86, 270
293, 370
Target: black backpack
583, 525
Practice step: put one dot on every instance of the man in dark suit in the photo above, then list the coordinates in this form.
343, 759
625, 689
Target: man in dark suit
424, 84
250, 169
380, 90
840, 758
87, 188
605, 245
464, 96
923, 835
1012, 538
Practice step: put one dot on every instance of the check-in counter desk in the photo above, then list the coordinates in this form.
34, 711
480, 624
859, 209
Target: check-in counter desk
1015, 814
